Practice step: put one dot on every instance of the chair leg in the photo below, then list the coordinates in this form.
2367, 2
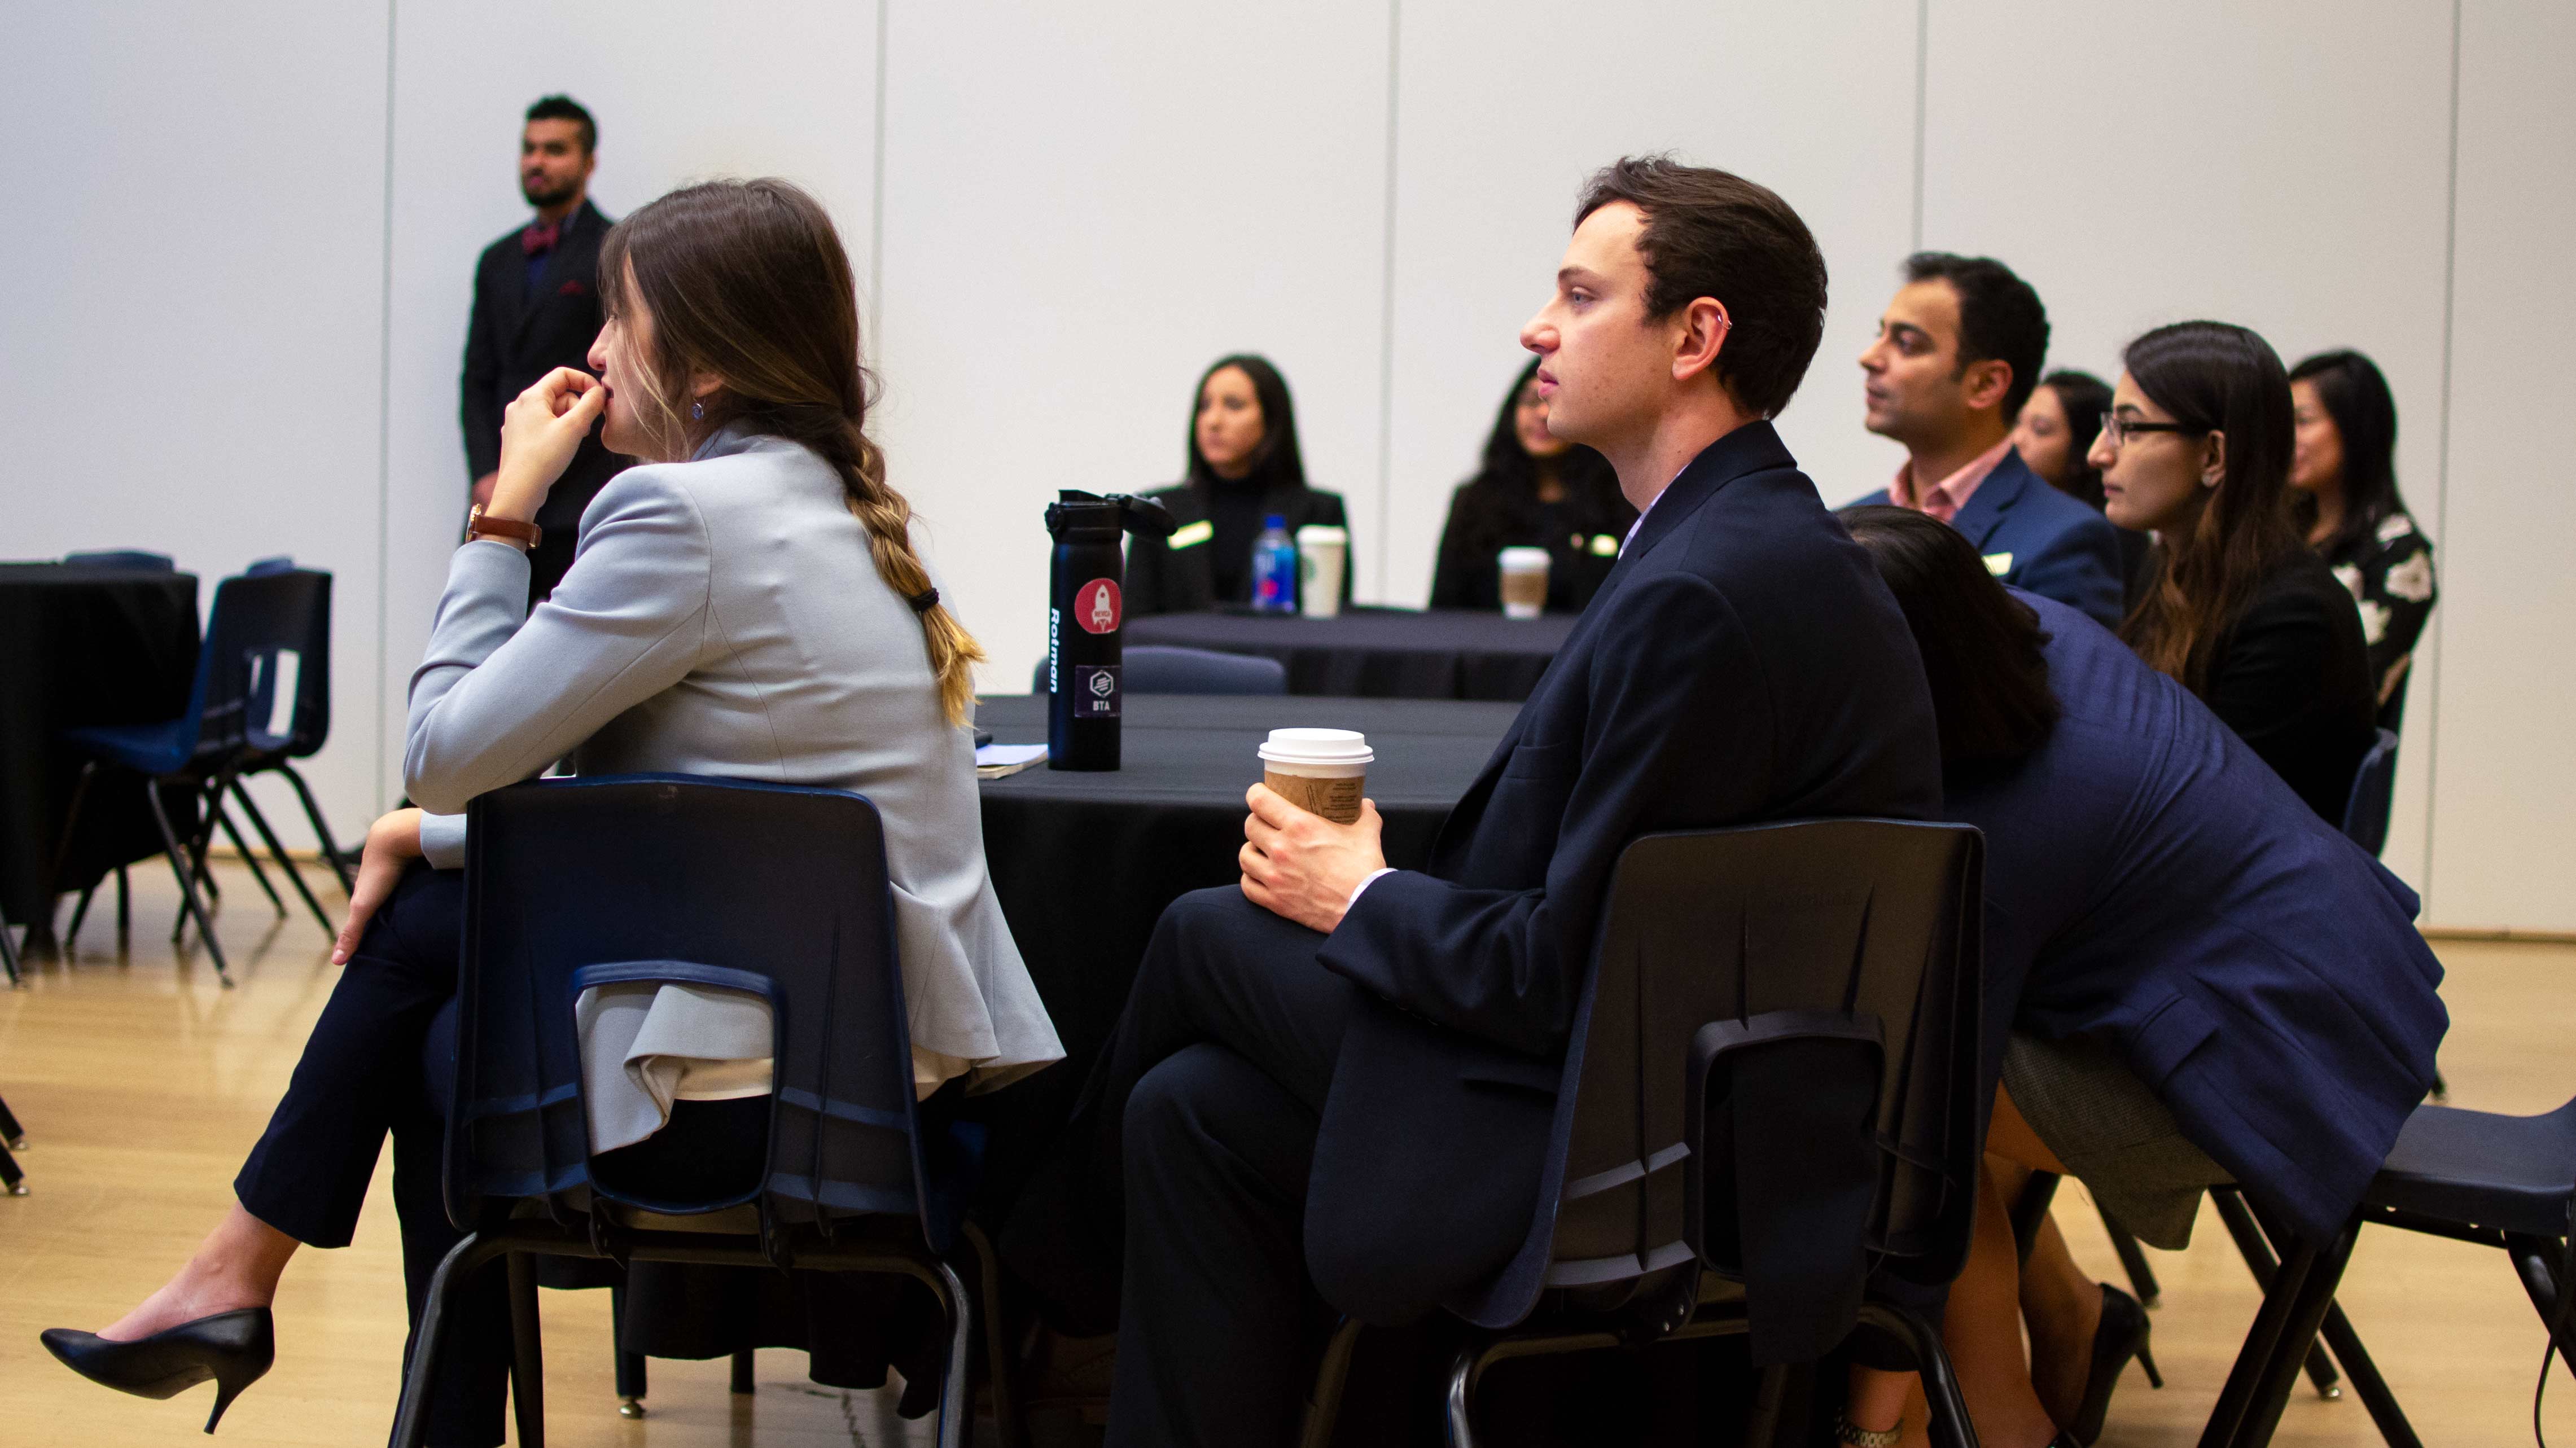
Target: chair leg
11, 1133
527, 1354
124, 907
224, 818
411, 1414
956, 1424
2030, 1209
2307, 1314
2253, 1360
1324, 1404
2255, 1248
12, 1180
2133, 1260
285, 861
2544, 1282
80, 912
179, 861
9, 953
744, 1382
997, 1347
2338, 1334
1951, 1427
630, 1365
1462, 1391
341, 864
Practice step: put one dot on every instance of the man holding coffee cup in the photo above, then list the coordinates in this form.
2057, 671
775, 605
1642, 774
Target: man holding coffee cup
1344, 1075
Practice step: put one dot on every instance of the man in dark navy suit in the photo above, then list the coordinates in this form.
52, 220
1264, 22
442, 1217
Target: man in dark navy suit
536, 308
1338, 1078
1957, 354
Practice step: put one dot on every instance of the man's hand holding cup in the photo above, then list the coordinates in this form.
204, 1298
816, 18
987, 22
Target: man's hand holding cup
1302, 866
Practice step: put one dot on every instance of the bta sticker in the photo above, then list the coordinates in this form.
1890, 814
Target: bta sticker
1096, 606
1095, 691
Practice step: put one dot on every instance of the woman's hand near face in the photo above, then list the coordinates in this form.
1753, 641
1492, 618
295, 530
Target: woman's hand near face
540, 432
393, 842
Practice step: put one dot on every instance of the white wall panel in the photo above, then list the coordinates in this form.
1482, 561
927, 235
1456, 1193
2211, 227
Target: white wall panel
190, 327
2279, 166
2502, 831
1504, 109
1084, 207
679, 96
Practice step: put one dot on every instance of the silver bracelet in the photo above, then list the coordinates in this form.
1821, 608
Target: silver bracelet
1844, 1432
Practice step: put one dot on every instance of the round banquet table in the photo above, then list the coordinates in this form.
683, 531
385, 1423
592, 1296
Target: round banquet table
82, 646
1085, 862
1380, 653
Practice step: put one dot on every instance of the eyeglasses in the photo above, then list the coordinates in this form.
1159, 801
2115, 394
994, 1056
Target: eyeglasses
2119, 429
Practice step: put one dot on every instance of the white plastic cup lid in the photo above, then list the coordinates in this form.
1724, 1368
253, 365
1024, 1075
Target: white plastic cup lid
1317, 746
1323, 533
1523, 560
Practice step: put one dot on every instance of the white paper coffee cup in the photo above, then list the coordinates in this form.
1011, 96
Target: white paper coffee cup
1323, 553
1524, 581
1324, 771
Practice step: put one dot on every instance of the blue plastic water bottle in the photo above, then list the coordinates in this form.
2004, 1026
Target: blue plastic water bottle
1274, 568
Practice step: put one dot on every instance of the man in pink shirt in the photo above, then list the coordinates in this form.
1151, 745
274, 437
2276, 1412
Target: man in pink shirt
1957, 353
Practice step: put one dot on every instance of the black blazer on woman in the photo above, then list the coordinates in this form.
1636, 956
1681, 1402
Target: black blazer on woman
2292, 677
1581, 535
1178, 574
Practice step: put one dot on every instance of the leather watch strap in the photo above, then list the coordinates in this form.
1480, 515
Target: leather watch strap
479, 526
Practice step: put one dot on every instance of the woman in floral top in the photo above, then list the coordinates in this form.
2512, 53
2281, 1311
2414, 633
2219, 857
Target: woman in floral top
2343, 471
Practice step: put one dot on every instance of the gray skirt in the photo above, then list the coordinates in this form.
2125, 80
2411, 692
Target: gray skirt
2113, 1133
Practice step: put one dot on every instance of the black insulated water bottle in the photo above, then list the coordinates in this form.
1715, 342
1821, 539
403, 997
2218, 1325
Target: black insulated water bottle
1086, 619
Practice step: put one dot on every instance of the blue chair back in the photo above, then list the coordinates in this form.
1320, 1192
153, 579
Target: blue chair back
1861, 934
2374, 789
771, 888
122, 558
289, 613
1161, 669
282, 563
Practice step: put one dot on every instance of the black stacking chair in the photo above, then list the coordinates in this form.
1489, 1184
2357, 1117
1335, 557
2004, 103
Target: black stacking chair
122, 558
1769, 1113
1159, 669
12, 1137
777, 891
307, 607
2507, 1182
200, 751
2374, 790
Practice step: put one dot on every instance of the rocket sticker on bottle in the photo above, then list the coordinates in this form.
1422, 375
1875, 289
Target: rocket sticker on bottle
1096, 606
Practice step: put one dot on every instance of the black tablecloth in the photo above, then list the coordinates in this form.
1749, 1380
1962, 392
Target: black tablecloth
81, 646
1084, 863
1380, 653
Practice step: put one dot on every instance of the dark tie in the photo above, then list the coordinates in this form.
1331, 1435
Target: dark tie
538, 240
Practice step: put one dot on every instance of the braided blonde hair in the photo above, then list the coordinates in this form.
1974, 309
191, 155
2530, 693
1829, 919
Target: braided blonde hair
747, 281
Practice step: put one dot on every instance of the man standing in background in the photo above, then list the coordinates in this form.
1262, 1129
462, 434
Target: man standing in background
536, 308
1957, 353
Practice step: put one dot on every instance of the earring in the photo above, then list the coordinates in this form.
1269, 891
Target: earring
697, 412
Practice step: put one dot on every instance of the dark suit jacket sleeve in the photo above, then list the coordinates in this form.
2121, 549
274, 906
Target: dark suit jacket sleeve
479, 406
2269, 674
2080, 568
1507, 966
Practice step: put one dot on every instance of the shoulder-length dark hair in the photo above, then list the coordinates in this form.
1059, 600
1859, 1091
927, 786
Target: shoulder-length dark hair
1981, 646
2353, 393
1276, 462
748, 280
1508, 478
2083, 397
2214, 377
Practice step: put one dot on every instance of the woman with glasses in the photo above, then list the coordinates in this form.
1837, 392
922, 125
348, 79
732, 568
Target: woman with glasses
2343, 485
2196, 449
2054, 433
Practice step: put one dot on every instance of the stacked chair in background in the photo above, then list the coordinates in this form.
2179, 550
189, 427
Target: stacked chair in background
261, 618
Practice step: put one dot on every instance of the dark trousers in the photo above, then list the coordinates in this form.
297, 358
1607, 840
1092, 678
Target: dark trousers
1174, 1204
360, 1080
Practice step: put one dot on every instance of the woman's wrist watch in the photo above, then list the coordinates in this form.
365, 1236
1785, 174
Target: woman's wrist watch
477, 525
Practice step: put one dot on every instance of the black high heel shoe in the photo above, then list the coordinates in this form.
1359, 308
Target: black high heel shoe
2121, 1335
233, 1348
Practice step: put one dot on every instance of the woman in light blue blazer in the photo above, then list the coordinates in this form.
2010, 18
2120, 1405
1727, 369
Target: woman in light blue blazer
750, 606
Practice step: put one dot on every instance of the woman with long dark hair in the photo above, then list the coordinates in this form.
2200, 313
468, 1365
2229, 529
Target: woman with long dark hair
2054, 435
1244, 469
2197, 451
2343, 480
1536, 490
2189, 978
751, 604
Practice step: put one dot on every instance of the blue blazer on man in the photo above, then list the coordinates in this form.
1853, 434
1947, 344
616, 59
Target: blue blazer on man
2037, 538
2150, 880
1741, 663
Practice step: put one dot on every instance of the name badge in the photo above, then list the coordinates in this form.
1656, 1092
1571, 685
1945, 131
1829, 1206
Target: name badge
1190, 535
1999, 564
1604, 546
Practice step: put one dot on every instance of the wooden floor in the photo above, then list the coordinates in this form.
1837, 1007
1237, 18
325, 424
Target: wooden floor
141, 1084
